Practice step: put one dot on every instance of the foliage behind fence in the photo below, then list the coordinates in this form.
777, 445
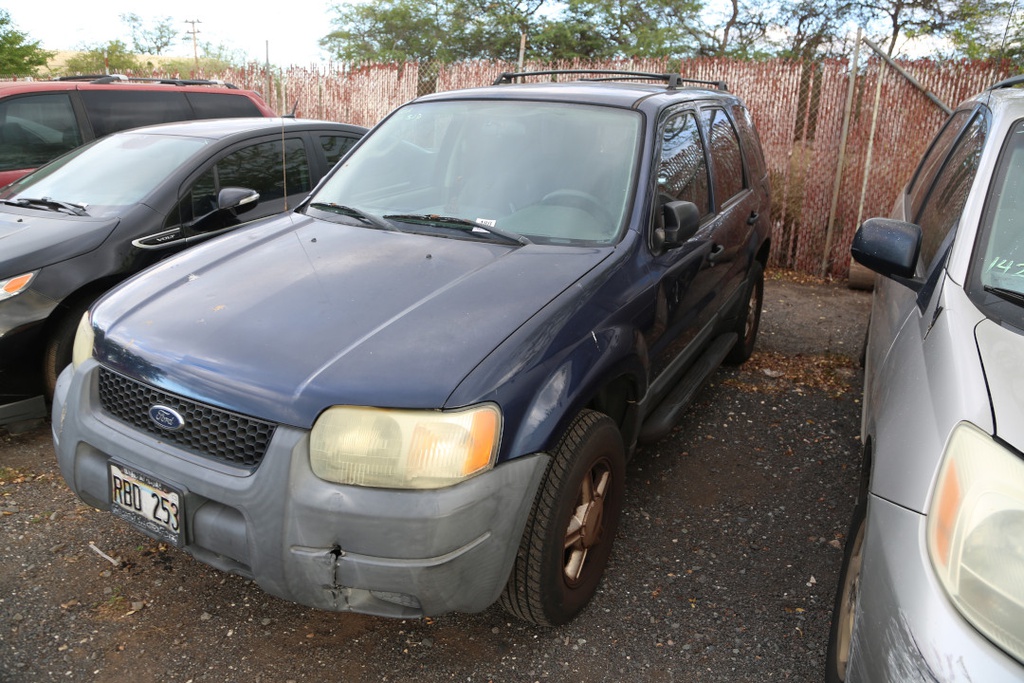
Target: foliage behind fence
797, 106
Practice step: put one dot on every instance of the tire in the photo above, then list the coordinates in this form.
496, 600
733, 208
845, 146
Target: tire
569, 533
59, 343
844, 612
750, 321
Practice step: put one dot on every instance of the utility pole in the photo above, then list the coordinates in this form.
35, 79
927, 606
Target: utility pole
195, 43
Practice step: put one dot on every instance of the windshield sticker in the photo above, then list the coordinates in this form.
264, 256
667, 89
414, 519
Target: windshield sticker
490, 223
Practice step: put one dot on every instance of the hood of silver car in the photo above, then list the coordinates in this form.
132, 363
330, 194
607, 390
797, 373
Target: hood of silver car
1002, 356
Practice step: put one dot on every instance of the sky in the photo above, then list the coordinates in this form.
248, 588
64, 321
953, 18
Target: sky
292, 29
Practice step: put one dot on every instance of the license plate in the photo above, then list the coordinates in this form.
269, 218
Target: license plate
147, 503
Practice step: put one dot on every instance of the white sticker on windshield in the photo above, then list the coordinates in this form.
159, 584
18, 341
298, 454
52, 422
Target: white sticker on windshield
490, 223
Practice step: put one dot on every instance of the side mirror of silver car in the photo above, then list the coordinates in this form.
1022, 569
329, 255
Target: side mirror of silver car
889, 248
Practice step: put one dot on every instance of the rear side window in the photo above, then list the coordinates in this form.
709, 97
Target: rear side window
36, 129
113, 110
215, 105
726, 160
751, 141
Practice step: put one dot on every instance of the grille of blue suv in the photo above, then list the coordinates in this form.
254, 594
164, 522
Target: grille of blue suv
206, 430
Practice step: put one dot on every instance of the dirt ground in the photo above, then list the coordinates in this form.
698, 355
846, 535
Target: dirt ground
723, 570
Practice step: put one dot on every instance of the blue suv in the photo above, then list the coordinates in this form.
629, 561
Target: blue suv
417, 392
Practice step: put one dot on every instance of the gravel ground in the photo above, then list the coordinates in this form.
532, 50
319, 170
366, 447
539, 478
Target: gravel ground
723, 570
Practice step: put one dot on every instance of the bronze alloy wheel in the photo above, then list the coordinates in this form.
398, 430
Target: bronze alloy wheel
586, 526
569, 533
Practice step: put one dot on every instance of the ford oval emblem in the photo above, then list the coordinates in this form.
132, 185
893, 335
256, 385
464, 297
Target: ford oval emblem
166, 418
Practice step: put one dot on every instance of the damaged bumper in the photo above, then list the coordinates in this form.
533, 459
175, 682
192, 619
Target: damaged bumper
907, 630
343, 548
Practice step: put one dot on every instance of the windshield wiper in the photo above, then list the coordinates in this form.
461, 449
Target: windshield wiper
1010, 295
455, 221
47, 203
353, 212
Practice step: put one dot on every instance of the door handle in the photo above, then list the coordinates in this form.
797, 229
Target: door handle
752, 218
717, 250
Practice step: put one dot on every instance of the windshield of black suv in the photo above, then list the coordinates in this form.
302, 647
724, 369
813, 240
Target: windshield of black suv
546, 172
116, 171
997, 273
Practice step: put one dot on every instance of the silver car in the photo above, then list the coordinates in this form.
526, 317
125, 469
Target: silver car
932, 585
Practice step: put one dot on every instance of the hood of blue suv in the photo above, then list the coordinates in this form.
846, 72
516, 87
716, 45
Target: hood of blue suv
294, 315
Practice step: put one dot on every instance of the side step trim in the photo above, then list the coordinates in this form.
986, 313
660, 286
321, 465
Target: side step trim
664, 417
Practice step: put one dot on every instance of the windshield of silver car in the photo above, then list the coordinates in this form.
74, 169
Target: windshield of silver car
998, 267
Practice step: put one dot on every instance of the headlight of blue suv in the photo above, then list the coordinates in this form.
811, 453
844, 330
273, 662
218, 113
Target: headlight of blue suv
84, 338
976, 534
14, 286
409, 449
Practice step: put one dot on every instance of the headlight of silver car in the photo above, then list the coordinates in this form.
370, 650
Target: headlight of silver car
84, 337
976, 534
13, 286
412, 449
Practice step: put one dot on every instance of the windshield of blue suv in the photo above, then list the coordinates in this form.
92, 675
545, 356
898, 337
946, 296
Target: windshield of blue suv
997, 273
538, 171
111, 173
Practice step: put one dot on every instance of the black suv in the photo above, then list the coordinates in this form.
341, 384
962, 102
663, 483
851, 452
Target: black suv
76, 227
417, 392
40, 120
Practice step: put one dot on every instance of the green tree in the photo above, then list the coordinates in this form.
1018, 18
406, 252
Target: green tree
986, 29
740, 31
575, 35
212, 59
812, 29
150, 41
622, 28
401, 30
111, 58
498, 28
906, 18
19, 56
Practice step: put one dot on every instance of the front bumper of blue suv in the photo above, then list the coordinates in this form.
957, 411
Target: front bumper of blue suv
343, 548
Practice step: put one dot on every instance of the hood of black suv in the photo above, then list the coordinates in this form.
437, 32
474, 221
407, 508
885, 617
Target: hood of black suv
31, 239
294, 315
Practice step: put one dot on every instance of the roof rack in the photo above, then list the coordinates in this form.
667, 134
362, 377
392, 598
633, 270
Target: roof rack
102, 79
672, 80
1009, 82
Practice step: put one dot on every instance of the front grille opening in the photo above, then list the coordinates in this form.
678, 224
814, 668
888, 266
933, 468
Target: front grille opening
207, 430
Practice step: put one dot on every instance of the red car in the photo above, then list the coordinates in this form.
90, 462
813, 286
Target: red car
40, 120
